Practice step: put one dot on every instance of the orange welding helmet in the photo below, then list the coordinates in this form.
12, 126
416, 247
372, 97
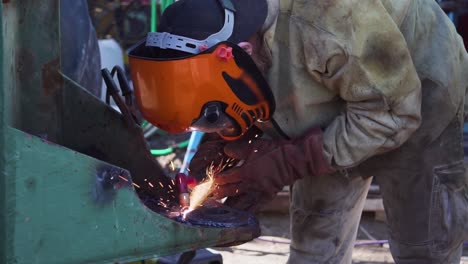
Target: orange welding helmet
188, 77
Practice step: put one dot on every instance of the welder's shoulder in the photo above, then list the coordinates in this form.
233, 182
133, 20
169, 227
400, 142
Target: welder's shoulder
319, 12
337, 16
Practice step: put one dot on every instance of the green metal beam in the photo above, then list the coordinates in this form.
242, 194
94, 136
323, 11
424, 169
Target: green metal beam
3, 226
11, 107
56, 211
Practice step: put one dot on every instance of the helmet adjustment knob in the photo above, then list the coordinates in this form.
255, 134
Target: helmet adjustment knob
212, 112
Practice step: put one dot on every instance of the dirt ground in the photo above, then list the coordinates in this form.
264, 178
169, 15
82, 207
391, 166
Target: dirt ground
273, 245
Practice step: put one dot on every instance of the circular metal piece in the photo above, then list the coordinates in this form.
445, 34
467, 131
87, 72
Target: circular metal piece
220, 216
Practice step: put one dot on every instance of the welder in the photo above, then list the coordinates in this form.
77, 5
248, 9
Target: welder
343, 91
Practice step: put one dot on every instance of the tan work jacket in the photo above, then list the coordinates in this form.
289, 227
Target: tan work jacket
359, 68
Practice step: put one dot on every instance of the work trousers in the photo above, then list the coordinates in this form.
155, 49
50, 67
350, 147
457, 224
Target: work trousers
425, 195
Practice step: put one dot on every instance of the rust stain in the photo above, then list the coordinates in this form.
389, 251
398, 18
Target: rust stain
52, 81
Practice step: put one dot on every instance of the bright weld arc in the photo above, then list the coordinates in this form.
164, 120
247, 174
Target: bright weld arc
201, 192
185, 213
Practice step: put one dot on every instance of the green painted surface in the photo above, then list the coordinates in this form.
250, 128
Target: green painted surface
9, 41
3, 226
53, 217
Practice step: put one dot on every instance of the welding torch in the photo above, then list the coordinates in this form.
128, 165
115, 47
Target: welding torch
183, 183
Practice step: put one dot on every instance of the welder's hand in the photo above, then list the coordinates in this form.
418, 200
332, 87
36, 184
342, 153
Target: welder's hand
268, 166
210, 151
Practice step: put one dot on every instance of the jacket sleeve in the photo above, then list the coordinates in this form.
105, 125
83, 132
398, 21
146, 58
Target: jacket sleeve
376, 78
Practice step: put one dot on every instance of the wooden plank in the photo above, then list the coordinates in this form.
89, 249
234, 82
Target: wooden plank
373, 205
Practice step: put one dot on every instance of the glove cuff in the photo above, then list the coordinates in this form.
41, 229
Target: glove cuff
311, 145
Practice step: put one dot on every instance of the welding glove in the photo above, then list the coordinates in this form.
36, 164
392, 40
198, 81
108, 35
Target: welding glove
267, 166
210, 151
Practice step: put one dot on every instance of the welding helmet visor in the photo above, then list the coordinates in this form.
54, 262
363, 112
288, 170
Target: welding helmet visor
178, 94
182, 84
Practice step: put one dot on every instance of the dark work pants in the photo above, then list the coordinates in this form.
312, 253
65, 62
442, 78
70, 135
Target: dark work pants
424, 189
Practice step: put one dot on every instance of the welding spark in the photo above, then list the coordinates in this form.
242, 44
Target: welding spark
163, 204
172, 166
170, 187
230, 162
250, 141
201, 192
123, 178
173, 182
150, 184
136, 185
161, 184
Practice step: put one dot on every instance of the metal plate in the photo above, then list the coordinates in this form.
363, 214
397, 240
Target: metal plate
219, 215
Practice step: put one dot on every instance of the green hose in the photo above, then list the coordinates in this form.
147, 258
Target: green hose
154, 18
154, 14
167, 151
144, 123
165, 4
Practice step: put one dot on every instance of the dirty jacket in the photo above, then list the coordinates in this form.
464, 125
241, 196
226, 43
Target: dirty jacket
357, 68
